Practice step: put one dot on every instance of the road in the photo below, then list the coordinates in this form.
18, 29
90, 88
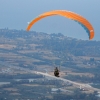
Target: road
87, 86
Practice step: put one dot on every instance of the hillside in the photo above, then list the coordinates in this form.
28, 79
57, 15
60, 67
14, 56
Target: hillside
78, 60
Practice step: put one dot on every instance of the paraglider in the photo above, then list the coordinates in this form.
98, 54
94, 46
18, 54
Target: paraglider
68, 14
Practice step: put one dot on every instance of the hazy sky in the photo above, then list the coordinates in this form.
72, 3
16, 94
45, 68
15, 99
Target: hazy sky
15, 14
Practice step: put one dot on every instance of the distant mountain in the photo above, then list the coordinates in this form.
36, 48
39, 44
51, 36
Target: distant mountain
55, 42
45, 49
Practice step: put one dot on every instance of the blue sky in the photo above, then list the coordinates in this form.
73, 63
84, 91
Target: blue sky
15, 14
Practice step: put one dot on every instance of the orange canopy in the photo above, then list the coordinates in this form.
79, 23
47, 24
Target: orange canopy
71, 15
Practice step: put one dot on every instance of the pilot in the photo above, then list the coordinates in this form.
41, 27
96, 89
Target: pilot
56, 72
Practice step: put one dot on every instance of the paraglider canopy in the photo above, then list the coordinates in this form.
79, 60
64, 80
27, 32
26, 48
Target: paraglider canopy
68, 14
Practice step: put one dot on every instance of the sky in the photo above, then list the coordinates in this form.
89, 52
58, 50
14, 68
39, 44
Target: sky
15, 14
